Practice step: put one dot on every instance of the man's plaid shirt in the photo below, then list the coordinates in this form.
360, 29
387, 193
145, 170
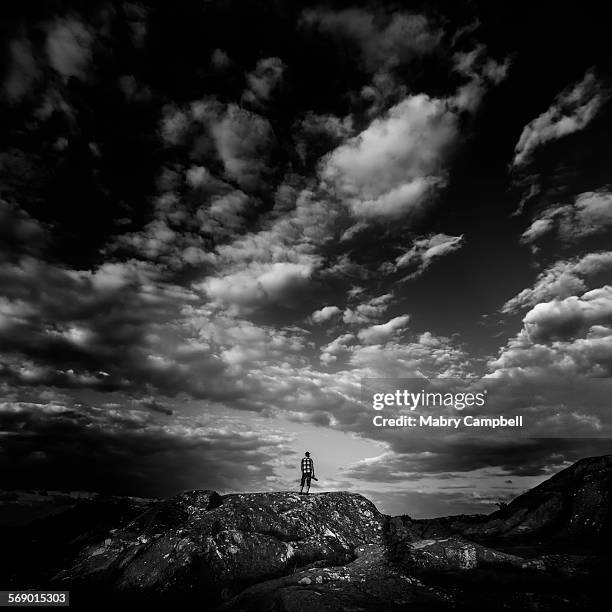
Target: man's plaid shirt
307, 465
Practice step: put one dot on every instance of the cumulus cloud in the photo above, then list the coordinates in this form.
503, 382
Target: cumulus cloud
539, 227
244, 141
23, 71
220, 59
264, 81
572, 110
482, 71
397, 163
566, 318
586, 356
180, 234
69, 47
384, 41
258, 284
137, 16
316, 134
325, 314
19, 230
174, 125
107, 330
416, 356
134, 90
568, 336
223, 216
561, 280
590, 214
274, 265
476, 65
423, 252
329, 353
241, 344
423, 356
200, 204
241, 140
382, 332
368, 310
198, 176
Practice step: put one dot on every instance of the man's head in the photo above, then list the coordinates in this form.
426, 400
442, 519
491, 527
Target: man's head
307, 454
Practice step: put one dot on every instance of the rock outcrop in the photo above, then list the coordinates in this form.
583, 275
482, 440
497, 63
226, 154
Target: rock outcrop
572, 507
200, 542
336, 551
575, 503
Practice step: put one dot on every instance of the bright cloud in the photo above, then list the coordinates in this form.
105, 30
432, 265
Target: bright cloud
258, 284
424, 252
391, 168
561, 280
325, 314
376, 334
572, 110
590, 214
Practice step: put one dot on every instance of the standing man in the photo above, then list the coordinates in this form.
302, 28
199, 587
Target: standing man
307, 472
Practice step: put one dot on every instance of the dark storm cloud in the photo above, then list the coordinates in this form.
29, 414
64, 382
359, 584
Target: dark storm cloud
126, 451
105, 330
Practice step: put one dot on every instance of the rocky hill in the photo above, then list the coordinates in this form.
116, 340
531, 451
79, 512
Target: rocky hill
572, 509
330, 551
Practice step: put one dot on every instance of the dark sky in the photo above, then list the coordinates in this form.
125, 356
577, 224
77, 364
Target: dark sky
217, 217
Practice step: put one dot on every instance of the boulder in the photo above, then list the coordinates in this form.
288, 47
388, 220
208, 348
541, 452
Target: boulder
202, 542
